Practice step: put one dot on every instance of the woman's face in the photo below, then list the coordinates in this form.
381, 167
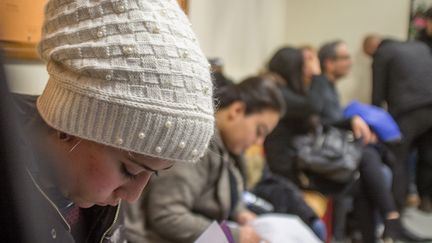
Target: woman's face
311, 65
95, 174
243, 130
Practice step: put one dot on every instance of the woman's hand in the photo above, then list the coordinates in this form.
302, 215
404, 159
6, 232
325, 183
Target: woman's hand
361, 130
245, 217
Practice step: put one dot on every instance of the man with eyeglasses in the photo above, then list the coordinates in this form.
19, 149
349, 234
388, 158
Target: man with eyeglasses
335, 61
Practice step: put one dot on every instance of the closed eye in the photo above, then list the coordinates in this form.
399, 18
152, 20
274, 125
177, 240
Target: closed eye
130, 158
133, 176
126, 172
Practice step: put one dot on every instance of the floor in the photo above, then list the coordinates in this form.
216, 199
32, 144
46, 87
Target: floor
418, 222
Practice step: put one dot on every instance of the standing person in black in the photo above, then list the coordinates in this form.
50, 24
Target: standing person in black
402, 78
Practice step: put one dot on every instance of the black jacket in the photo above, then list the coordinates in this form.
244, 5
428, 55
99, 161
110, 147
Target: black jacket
326, 103
319, 106
280, 153
402, 76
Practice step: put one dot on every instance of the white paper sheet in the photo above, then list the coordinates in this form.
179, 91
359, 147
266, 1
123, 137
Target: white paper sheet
275, 228
283, 228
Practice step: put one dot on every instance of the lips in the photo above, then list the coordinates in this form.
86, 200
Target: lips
109, 202
84, 205
114, 203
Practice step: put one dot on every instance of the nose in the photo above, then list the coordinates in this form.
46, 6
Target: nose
131, 191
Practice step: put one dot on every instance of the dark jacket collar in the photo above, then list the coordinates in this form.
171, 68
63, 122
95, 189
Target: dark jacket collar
384, 42
38, 167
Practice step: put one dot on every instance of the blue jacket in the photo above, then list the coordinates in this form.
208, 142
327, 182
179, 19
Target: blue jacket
379, 120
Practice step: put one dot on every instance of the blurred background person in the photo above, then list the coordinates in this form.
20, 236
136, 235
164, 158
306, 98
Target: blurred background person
425, 34
217, 69
402, 78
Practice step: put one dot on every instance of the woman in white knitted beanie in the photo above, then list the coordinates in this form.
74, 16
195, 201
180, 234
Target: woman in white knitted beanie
129, 94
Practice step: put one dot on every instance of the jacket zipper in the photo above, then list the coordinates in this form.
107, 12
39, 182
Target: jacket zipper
49, 200
112, 224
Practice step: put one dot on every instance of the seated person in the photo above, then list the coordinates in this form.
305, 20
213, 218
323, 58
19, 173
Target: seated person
217, 70
183, 202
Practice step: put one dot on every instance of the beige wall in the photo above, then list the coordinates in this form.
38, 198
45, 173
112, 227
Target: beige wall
26, 77
247, 32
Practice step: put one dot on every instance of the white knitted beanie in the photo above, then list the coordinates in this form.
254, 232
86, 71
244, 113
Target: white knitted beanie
129, 74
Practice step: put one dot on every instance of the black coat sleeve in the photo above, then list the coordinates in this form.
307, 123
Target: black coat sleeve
379, 78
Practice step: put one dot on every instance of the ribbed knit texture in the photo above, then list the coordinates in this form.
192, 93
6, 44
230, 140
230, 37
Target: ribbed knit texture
128, 74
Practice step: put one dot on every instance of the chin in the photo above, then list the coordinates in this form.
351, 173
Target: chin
238, 152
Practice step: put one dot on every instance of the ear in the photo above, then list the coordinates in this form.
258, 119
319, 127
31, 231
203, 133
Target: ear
236, 109
329, 65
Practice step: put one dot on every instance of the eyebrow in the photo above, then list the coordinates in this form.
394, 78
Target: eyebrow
147, 167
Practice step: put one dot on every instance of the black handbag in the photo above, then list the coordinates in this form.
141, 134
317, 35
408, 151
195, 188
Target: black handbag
330, 152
